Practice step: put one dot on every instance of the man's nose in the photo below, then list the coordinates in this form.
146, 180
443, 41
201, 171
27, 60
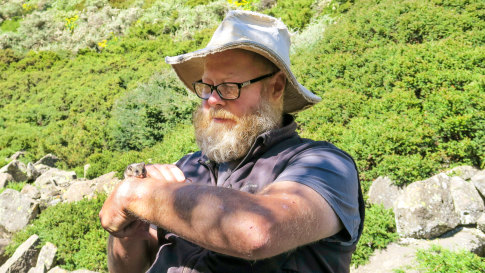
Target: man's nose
215, 99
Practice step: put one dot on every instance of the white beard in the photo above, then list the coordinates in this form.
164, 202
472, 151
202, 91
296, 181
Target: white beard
223, 142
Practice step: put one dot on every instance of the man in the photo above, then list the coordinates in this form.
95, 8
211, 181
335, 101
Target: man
257, 197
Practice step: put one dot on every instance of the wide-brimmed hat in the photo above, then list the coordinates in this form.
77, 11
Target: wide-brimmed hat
252, 31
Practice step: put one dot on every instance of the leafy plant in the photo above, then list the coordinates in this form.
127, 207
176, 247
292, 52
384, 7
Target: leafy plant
10, 25
75, 230
176, 143
18, 186
295, 14
379, 231
440, 260
71, 23
143, 116
402, 106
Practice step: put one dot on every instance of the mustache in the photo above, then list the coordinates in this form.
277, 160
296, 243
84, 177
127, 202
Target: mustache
222, 114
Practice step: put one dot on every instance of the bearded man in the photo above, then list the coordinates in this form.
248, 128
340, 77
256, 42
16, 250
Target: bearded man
257, 197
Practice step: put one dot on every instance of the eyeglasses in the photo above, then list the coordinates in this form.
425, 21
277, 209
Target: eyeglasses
225, 90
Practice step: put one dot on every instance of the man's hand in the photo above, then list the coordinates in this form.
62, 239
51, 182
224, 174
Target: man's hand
132, 245
115, 216
166, 173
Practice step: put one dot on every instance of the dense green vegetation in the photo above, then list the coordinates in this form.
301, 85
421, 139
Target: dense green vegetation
14, 186
379, 231
75, 230
439, 260
402, 84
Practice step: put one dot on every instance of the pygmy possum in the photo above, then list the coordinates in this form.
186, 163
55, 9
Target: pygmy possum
136, 170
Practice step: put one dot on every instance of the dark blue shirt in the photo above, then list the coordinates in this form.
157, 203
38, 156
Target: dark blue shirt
277, 155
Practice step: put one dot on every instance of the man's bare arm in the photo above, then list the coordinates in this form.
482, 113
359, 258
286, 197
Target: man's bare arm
252, 226
132, 254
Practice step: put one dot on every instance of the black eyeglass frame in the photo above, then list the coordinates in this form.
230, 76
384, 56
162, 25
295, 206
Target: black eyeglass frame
239, 85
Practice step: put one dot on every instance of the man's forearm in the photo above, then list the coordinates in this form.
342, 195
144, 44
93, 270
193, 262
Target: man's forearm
128, 255
232, 222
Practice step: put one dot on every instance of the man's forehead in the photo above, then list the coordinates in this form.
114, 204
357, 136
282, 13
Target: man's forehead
231, 62
231, 56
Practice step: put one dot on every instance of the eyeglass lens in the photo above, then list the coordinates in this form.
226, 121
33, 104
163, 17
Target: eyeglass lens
225, 90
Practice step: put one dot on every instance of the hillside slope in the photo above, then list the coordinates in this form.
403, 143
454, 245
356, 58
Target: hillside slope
402, 82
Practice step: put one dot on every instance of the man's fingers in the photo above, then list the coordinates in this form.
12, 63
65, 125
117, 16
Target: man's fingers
167, 173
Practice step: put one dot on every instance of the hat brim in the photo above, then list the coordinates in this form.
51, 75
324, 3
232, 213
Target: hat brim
190, 67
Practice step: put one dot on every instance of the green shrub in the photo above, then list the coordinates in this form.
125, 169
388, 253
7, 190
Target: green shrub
10, 10
121, 4
194, 3
183, 21
59, 103
175, 144
18, 186
75, 229
295, 14
379, 231
440, 260
69, 29
143, 116
10, 25
404, 107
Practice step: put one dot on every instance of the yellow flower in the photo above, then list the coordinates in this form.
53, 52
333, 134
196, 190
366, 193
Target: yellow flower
71, 23
244, 4
102, 44
27, 7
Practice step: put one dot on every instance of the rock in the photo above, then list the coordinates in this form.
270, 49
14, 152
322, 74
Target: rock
77, 191
47, 256
54, 202
425, 209
469, 239
56, 177
17, 169
48, 190
42, 168
383, 191
4, 242
387, 260
49, 160
32, 172
5, 178
467, 201
17, 155
24, 257
479, 181
57, 270
481, 223
401, 255
86, 169
37, 269
30, 191
83, 271
16, 210
465, 172
48, 193
105, 183
4, 234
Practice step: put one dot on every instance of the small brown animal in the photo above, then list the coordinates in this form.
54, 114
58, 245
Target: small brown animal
136, 170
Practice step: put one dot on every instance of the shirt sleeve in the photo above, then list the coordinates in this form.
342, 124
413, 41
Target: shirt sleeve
332, 173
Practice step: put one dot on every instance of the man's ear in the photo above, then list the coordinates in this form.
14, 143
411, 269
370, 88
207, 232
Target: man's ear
279, 83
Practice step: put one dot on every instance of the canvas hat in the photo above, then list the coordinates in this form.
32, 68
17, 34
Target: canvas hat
252, 31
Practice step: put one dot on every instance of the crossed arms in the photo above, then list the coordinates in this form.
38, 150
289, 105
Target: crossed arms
281, 217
